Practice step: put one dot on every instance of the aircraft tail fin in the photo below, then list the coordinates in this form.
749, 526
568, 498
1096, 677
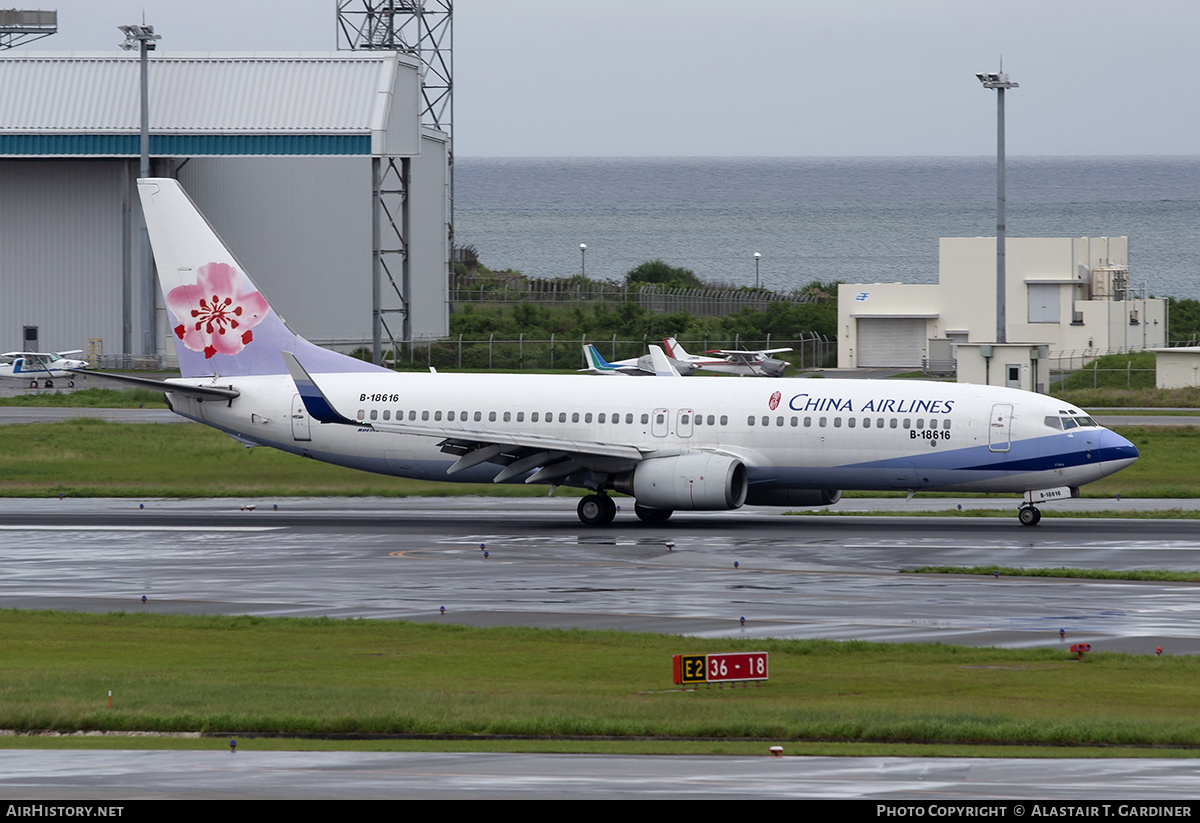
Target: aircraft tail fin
596, 363
662, 364
674, 350
219, 321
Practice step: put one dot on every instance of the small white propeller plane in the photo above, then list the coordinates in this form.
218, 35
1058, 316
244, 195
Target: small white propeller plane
655, 363
672, 445
730, 361
42, 365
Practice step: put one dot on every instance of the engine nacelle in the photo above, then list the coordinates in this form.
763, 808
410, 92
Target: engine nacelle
793, 497
687, 481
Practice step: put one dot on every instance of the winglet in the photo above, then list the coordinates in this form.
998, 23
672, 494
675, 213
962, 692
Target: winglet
314, 399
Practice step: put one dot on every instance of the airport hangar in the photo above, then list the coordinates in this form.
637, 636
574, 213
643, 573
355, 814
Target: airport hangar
314, 168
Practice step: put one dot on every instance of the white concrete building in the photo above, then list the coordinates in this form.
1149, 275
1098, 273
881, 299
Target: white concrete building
1070, 294
1177, 368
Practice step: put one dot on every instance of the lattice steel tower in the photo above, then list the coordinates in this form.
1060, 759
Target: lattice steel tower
18, 27
422, 29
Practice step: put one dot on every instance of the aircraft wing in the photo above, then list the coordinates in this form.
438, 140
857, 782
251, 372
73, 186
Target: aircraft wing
742, 354
515, 452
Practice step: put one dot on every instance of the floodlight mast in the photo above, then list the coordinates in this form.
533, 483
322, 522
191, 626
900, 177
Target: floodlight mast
1000, 82
142, 39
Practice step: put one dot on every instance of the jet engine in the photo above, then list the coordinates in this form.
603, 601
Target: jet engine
687, 481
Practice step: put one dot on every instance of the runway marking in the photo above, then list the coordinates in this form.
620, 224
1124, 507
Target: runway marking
143, 528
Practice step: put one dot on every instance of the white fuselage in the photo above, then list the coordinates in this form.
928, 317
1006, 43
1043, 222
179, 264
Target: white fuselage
791, 434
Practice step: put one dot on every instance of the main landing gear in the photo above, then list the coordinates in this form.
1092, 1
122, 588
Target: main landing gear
597, 510
1029, 515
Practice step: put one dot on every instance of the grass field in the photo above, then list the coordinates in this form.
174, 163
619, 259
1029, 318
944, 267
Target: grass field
573, 690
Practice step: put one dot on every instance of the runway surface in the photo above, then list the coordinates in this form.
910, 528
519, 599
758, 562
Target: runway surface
810, 576
815, 576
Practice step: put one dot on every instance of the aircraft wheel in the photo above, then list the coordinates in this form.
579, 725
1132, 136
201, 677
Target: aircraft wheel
49, 384
597, 510
33, 384
649, 515
1029, 516
70, 384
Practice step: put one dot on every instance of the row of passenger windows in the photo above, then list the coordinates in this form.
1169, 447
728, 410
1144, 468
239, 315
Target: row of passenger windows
685, 419
507, 417
853, 422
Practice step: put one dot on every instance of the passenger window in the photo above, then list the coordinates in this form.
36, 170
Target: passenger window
946, 423
562, 417
478, 416
533, 418
907, 423
821, 422
629, 418
412, 415
778, 421
684, 420
808, 422
449, 416
425, 415
387, 415
837, 422
491, 417
574, 417
645, 419
920, 423
712, 421
508, 417
851, 421
750, 420
724, 420
520, 417
600, 417
362, 414
437, 415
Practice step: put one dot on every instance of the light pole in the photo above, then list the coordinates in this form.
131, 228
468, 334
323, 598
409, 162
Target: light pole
142, 38
757, 257
583, 260
999, 81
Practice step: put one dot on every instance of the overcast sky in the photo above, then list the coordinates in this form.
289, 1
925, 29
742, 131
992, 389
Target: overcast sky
756, 77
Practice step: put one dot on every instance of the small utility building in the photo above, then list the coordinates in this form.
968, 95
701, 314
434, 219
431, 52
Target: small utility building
313, 167
1070, 295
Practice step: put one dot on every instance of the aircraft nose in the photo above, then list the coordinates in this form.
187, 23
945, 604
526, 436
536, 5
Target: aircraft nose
1117, 449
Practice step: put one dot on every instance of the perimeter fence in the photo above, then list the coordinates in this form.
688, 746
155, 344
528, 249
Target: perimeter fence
703, 302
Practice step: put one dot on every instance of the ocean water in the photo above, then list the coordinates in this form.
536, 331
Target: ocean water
849, 219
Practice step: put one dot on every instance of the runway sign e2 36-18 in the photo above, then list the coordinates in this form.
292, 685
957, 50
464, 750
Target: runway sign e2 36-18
720, 668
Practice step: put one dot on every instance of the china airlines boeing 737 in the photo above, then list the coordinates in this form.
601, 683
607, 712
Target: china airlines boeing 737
670, 444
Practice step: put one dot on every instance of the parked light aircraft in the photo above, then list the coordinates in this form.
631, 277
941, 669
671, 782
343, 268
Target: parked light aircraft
670, 444
730, 361
41, 365
655, 363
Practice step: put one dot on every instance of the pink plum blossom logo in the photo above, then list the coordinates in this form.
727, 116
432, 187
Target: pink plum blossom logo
774, 401
217, 312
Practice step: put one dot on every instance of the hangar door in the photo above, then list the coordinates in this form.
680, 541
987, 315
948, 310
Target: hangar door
891, 341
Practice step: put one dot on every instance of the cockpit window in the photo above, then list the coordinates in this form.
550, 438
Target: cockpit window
1086, 421
1053, 422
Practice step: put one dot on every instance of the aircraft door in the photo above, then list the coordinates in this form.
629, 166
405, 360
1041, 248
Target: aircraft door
683, 422
1000, 427
300, 420
660, 422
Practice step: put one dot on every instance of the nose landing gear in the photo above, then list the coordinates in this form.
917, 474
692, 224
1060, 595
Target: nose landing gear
1029, 515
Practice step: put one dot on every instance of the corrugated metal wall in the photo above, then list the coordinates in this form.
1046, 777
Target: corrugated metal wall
60, 252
